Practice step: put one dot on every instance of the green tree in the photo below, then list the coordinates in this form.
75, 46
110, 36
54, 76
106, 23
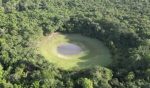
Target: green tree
1, 72
86, 83
130, 76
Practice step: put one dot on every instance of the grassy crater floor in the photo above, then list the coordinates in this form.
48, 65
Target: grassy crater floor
93, 52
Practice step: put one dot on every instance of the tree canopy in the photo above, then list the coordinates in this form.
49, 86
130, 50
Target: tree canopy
123, 26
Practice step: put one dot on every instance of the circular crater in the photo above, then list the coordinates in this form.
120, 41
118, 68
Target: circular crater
69, 49
74, 51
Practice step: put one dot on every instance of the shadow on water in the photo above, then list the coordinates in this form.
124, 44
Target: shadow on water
93, 57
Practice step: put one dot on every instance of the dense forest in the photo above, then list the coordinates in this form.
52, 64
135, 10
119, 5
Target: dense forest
123, 26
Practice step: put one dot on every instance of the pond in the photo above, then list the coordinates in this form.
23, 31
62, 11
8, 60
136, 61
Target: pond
69, 49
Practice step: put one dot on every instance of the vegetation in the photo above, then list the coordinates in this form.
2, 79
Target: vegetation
93, 51
122, 25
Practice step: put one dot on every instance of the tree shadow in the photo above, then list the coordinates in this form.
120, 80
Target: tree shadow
88, 61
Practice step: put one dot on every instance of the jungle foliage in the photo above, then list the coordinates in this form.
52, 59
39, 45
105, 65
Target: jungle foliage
123, 25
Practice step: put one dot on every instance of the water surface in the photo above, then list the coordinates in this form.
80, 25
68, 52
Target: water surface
68, 49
